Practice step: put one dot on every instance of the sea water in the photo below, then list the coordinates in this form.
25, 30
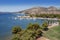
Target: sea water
8, 20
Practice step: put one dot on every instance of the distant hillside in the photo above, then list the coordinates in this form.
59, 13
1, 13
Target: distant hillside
41, 10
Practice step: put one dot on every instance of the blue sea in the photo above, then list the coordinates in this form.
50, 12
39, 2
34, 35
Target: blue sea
8, 20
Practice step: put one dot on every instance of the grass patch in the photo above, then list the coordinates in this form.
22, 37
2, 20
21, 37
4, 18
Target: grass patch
53, 33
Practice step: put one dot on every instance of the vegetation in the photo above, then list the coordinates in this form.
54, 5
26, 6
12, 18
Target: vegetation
16, 29
44, 26
46, 15
33, 26
32, 32
53, 33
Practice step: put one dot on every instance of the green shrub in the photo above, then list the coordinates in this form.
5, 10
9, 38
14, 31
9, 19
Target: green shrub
16, 29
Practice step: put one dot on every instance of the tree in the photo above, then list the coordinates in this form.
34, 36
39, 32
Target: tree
29, 26
35, 30
33, 26
44, 26
32, 32
16, 29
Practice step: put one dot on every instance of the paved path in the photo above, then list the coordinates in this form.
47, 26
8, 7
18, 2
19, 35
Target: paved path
42, 38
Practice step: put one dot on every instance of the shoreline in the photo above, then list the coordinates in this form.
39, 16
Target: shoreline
28, 17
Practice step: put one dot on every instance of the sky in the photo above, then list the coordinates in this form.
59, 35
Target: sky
18, 5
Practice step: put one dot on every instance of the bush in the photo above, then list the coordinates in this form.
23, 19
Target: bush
16, 29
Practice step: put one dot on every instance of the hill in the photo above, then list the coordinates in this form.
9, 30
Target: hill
42, 10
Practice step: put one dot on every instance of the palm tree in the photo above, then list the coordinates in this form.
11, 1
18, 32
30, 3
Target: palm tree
33, 26
44, 26
35, 30
16, 29
32, 32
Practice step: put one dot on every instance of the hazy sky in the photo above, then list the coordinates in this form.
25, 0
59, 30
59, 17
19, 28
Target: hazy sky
17, 5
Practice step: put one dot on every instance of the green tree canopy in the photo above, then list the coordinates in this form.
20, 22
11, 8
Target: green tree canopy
34, 26
44, 25
16, 29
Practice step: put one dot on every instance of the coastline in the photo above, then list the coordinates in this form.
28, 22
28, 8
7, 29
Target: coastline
28, 17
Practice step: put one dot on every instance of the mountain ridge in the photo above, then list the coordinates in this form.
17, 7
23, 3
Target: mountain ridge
42, 10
